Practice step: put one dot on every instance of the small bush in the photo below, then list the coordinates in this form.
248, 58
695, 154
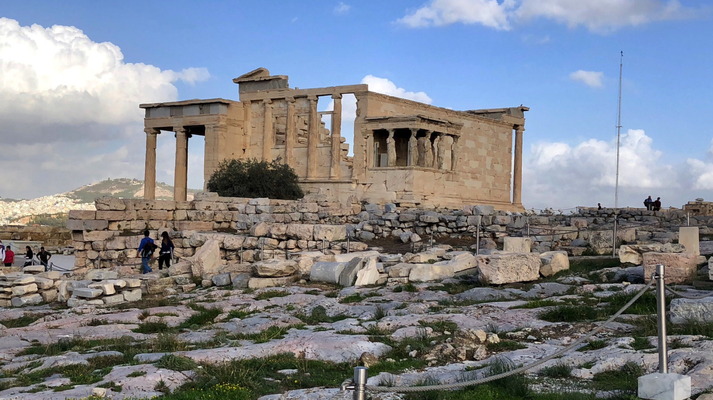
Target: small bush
559, 370
152, 327
641, 343
176, 363
20, 322
253, 178
593, 345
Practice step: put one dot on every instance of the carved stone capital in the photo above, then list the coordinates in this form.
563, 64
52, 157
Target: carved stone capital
290, 100
312, 97
519, 129
152, 131
267, 101
337, 96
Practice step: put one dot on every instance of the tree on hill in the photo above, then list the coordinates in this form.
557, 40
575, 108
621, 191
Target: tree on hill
253, 178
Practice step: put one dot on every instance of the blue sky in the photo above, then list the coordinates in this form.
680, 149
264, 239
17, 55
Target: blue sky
464, 54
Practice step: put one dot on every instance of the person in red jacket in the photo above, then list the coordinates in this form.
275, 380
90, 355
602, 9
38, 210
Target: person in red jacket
9, 257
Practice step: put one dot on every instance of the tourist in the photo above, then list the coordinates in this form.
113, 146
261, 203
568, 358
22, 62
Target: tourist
146, 249
2, 252
648, 203
166, 251
657, 204
599, 206
44, 257
9, 257
28, 256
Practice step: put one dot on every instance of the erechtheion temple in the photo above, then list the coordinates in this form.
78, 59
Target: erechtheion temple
404, 152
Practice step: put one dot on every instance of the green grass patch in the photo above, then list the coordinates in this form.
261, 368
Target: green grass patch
202, 317
641, 343
622, 381
409, 287
240, 314
440, 325
176, 363
273, 332
152, 327
269, 294
20, 322
136, 374
352, 298
539, 304
570, 314
505, 345
559, 370
319, 315
593, 345
455, 288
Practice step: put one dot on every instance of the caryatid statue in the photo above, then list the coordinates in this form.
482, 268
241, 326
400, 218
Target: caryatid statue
391, 149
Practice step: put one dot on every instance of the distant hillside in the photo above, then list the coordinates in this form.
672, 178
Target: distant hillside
122, 188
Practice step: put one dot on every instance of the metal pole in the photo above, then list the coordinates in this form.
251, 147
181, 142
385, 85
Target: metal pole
613, 245
477, 237
360, 383
661, 314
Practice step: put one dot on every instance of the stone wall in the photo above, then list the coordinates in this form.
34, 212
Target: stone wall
253, 229
50, 236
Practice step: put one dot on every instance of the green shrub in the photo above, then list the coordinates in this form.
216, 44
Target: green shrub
559, 370
176, 363
253, 178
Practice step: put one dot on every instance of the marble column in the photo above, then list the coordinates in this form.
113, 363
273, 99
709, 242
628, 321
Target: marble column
247, 126
150, 167
336, 168
214, 152
436, 145
268, 134
391, 149
312, 138
180, 178
517, 168
290, 133
413, 148
454, 153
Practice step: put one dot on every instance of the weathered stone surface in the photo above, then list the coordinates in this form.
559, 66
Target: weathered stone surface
49, 296
100, 275
368, 275
483, 210
664, 386
516, 244
115, 299
259, 230
349, 273
221, 280
33, 269
553, 262
688, 236
27, 300
679, 267
685, 310
132, 282
132, 295
207, 258
240, 281
300, 231
259, 283
44, 283
275, 268
508, 268
180, 268
601, 242
325, 271
87, 293
629, 255
107, 288
430, 272
24, 289
331, 233
400, 270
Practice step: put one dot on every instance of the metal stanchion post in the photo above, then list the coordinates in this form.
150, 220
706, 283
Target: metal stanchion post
477, 236
349, 237
661, 314
360, 383
613, 245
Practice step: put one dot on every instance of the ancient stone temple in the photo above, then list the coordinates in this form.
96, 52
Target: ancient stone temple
404, 152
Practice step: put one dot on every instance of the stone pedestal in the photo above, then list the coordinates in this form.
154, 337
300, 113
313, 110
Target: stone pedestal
664, 386
688, 237
680, 267
516, 245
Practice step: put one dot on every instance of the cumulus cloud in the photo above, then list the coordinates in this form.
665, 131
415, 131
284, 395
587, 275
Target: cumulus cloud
69, 108
562, 175
589, 78
385, 86
342, 8
601, 16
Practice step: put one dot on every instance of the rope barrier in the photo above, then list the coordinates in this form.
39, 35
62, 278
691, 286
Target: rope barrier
679, 294
461, 385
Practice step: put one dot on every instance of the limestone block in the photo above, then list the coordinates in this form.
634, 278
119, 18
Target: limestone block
76, 302
118, 283
221, 280
156, 286
100, 275
33, 269
516, 244
430, 217
483, 210
111, 215
259, 283
115, 299
330, 233
369, 275
300, 231
366, 235
660, 386
241, 280
580, 223
684, 310
24, 289
132, 295
133, 282
5, 303
49, 296
349, 273
62, 292
44, 283
24, 280
87, 293
27, 300
326, 271
430, 272
207, 258
81, 214
424, 257
106, 288
400, 270
688, 237
499, 269
679, 267
180, 268
627, 254
259, 230
94, 225
116, 243
109, 203
405, 237
601, 242
54, 275
460, 261
260, 201
233, 242
553, 262
275, 268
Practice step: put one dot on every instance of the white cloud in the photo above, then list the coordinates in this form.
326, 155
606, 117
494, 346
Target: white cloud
385, 86
589, 78
561, 175
489, 13
601, 16
69, 108
342, 8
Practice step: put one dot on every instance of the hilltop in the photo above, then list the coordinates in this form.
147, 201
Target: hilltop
123, 188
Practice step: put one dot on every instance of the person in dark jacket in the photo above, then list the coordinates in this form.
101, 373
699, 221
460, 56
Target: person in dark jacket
145, 251
44, 257
28, 256
166, 251
657, 204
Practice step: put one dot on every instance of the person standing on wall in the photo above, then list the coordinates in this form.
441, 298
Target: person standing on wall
44, 257
145, 251
9, 257
166, 251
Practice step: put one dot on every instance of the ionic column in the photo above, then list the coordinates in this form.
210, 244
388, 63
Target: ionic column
391, 149
336, 170
413, 148
517, 168
454, 153
150, 167
290, 133
268, 132
180, 177
312, 138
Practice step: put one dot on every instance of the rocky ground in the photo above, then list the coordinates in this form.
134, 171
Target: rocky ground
302, 341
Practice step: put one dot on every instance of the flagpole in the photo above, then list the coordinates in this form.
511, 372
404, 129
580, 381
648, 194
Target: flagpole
618, 141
